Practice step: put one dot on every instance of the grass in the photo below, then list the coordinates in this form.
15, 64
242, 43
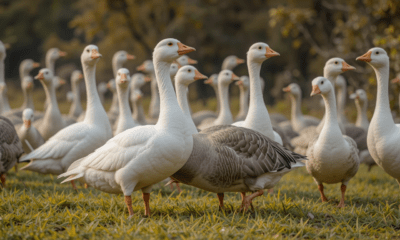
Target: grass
38, 207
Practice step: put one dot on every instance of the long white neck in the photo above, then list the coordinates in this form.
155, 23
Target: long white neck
52, 110
332, 78
171, 116
217, 97
181, 94
115, 66
362, 119
225, 115
138, 112
125, 113
342, 95
50, 64
95, 112
154, 110
114, 103
28, 100
382, 117
296, 114
4, 106
244, 101
331, 131
257, 118
76, 102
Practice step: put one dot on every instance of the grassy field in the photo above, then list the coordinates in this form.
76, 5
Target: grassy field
38, 207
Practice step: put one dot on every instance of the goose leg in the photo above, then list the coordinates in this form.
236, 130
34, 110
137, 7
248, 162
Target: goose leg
221, 200
271, 191
178, 187
343, 190
3, 180
146, 199
321, 190
128, 202
73, 185
247, 200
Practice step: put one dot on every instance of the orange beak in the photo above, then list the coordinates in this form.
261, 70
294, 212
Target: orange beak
315, 91
179, 66
208, 81
286, 89
198, 75
239, 83
234, 77
27, 123
347, 67
271, 53
108, 85
62, 81
396, 80
141, 68
80, 76
140, 96
62, 54
365, 58
192, 61
29, 85
239, 61
95, 54
130, 57
36, 65
123, 78
39, 76
147, 79
183, 49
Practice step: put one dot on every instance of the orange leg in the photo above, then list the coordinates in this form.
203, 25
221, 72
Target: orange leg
178, 187
128, 202
146, 198
73, 185
85, 185
248, 200
171, 186
321, 190
3, 180
343, 190
221, 200
271, 191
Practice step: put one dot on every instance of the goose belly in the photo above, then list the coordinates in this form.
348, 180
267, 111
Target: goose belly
102, 180
202, 183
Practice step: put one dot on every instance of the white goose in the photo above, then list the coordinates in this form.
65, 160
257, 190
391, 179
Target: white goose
51, 57
332, 157
15, 115
28, 134
341, 86
383, 134
154, 108
142, 156
4, 106
225, 77
76, 107
185, 60
125, 120
298, 120
138, 80
230, 62
244, 84
113, 112
361, 100
80, 139
223, 160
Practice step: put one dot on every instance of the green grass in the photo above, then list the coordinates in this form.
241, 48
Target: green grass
38, 207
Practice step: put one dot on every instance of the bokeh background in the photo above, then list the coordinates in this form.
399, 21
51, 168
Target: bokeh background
306, 33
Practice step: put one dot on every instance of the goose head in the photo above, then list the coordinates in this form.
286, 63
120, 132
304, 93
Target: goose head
45, 76
137, 81
260, 52
27, 117
321, 85
170, 49
359, 96
54, 53
111, 86
146, 67
76, 76
90, 55
121, 57
376, 57
335, 66
212, 80
225, 77
174, 69
27, 83
244, 82
136, 95
123, 78
2, 51
70, 96
188, 74
58, 82
230, 62
294, 89
185, 60
396, 80
26, 66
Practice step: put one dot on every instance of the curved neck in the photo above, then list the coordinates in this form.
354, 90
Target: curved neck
77, 95
257, 117
341, 95
332, 79
50, 64
244, 101
296, 107
382, 112
138, 112
114, 103
181, 94
52, 105
28, 100
123, 101
362, 119
155, 97
331, 130
225, 115
217, 97
4, 106
115, 66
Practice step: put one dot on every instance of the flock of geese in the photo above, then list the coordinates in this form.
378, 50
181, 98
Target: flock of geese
121, 151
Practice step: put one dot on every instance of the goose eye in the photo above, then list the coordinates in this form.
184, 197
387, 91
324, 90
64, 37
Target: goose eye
259, 47
377, 52
226, 74
87, 50
189, 70
322, 82
170, 44
47, 72
336, 62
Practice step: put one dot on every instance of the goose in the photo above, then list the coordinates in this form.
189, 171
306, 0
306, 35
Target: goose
396, 81
112, 112
341, 86
225, 77
244, 84
4, 106
332, 157
142, 156
52, 55
199, 116
361, 100
28, 134
223, 161
185, 60
383, 133
230, 62
10, 148
333, 67
298, 120
125, 120
138, 80
173, 70
154, 109
76, 108
102, 89
79, 139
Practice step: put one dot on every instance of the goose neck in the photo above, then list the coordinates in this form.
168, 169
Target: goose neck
94, 110
362, 119
225, 115
28, 100
155, 96
341, 94
331, 130
123, 101
50, 64
115, 66
296, 107
138, 111
244, 101
52, 107
77, 95
181, 93
215, 87
382, 108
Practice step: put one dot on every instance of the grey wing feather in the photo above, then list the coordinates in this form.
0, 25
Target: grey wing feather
10, 145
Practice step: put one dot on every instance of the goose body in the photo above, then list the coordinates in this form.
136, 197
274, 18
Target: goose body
332, 157
142, 156
28, 134
383, 133
79, 139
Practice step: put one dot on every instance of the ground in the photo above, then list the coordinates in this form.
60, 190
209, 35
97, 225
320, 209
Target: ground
35, 206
